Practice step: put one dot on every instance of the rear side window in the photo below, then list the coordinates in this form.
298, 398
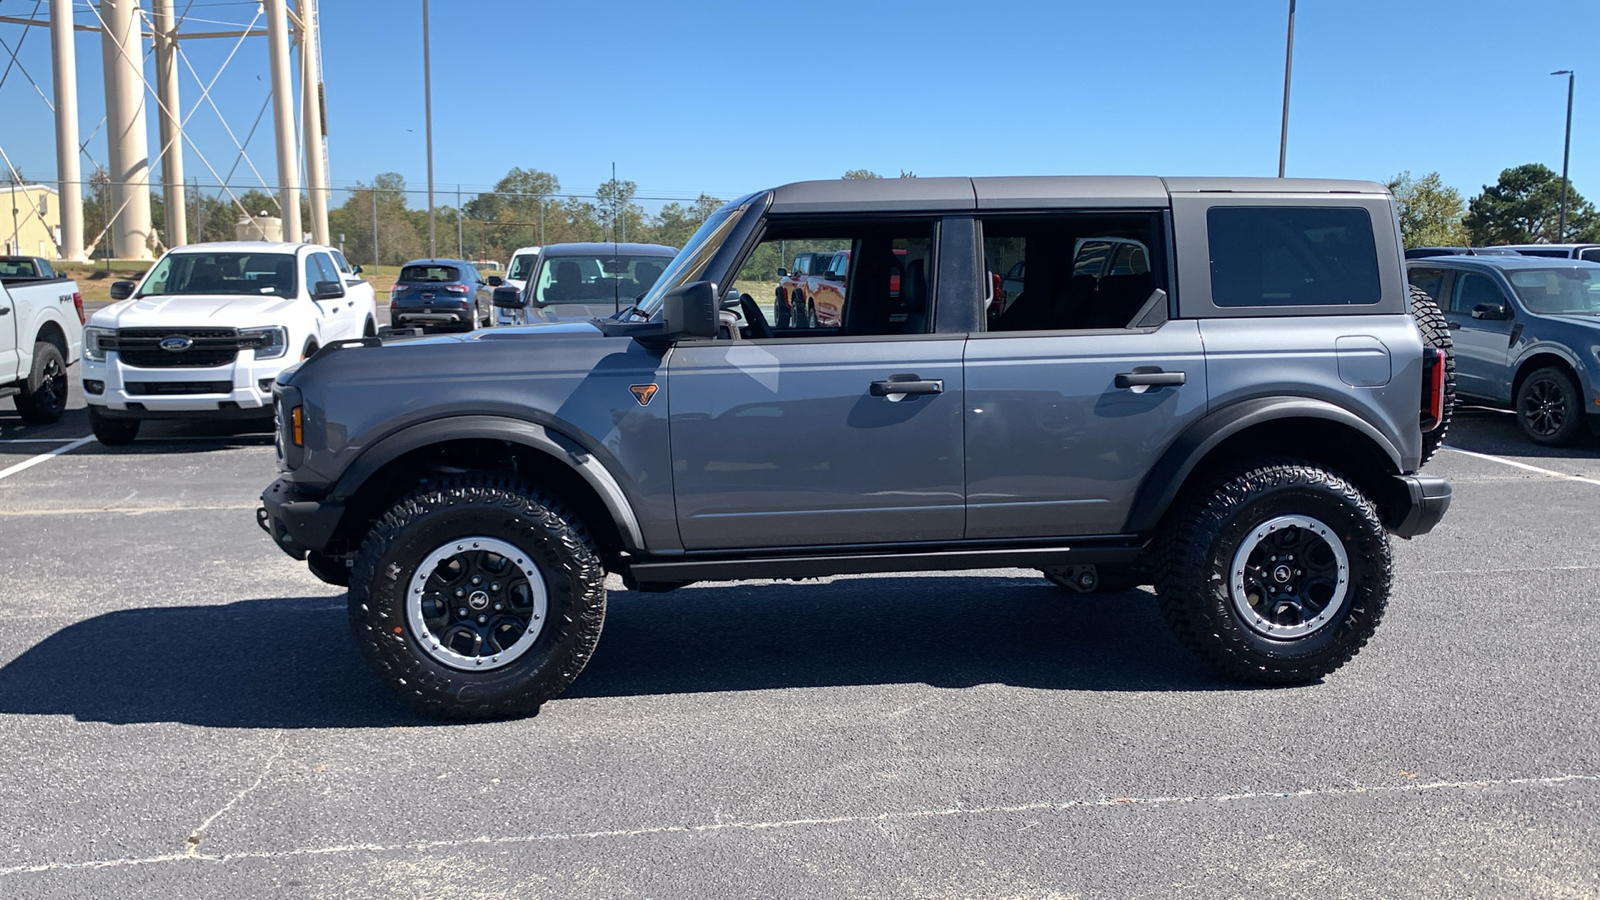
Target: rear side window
430, 273
1292, 256
1592, 254
1430, 280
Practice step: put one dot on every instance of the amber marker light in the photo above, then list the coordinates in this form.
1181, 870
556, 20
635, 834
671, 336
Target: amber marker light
297, 426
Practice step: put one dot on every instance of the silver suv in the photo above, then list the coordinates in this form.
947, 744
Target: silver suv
1235, 414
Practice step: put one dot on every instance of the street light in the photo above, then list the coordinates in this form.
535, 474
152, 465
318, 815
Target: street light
1566, 151
1288, 60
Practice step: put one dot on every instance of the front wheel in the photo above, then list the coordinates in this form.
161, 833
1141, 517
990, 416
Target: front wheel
44, 395
1550, 407
112, 432
477, 598
1279, 574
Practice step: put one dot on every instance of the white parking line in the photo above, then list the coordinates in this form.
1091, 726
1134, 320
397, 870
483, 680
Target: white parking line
1498, 459
36, 440
30, 463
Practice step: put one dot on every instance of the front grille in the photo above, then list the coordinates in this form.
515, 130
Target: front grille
178, 387
140, 347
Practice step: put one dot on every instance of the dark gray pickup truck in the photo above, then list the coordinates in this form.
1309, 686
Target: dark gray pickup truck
1232, 406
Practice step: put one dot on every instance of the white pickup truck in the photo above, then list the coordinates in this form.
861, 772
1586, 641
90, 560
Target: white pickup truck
209, 328
41, 319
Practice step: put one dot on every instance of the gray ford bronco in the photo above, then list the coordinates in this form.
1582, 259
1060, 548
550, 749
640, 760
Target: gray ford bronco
1218, 387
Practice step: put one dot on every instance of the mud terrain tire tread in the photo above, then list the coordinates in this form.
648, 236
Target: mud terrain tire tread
1436, 333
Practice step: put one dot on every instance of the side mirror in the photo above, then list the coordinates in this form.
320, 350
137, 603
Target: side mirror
327, 290
691, 310
1491, 311
355, 270
782, 272
508, 297
732, 298
495, 281
122, 290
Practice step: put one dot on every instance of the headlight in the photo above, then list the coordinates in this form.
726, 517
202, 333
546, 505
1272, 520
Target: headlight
93, 349
269, 343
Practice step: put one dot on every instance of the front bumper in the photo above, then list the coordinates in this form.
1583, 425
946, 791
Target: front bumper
241, 389
1425, 500
299, 524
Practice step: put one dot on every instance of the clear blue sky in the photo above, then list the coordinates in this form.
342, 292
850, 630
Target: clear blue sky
726, 97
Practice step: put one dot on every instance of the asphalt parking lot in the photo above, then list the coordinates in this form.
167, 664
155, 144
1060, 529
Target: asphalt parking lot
183, 714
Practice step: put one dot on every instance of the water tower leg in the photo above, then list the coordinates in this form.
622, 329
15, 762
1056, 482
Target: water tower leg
283, 116
64, 63
166, 40
311, 120
122, 46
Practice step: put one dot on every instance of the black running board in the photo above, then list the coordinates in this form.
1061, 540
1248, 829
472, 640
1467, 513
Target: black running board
695, 568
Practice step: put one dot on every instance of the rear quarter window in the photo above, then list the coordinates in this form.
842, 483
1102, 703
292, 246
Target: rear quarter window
1292, 256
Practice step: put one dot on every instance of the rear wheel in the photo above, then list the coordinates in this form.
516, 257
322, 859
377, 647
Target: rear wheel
1550, 408
476, 597
112, 432
1278, 574
1436, 332
44, 396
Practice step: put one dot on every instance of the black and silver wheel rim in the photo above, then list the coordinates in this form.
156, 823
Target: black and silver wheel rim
53, 385
1544, 407
1289, 578
476, 603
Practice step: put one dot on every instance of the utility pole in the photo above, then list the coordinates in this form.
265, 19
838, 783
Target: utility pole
1566, 152
1288, 65
64, 69
460, 251
427, 115
374, 193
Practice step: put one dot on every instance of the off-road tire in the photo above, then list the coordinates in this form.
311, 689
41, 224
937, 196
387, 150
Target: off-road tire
1550, 408
44, 397
1436, 333
112, 432
503, 509
1195, 557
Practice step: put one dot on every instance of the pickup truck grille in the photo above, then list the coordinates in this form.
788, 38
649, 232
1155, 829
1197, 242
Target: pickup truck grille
168, 388
141, 347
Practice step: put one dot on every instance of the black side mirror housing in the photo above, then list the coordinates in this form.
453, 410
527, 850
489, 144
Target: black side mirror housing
508, 297
782, 272
1491, 311
691, 310
495, 281
327, 290
355, 270
122, 290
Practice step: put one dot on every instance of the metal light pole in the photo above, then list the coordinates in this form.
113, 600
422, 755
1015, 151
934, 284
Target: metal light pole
1566, 151
1288, 62
427, 115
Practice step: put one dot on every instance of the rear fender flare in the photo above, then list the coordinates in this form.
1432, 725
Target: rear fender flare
528, 434
1167, 477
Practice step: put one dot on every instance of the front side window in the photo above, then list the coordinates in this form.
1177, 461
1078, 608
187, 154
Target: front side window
1070, 272
221, 273
863, 278
1473, 289
1292, 256
326, 270
522, 266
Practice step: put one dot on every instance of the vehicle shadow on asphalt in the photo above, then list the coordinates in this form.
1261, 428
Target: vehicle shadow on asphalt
291, 663
1493, 431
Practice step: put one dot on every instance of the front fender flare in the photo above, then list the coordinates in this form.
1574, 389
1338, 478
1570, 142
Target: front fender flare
528, 434
1168, 475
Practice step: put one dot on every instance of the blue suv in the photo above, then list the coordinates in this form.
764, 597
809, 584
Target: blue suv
1527, 337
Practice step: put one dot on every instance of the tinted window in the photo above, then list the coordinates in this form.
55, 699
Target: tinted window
1592, 254
1292, 256
1530, 251
1472, 289
1069, 273
440, 274
865, 279
1430, 280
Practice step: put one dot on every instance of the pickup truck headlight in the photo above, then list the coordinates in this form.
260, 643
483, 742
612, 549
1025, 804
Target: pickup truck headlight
269, 343
93, 348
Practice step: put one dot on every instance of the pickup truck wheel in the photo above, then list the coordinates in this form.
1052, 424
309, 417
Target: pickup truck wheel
112, 432
44, 397
1550, 408
1436, 332
1278, 574
476, 598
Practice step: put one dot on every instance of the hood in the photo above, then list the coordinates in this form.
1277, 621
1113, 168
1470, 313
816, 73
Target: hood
212, 310
1578, 320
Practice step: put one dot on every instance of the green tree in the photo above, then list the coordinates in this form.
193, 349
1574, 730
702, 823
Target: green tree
1523, 207
397, 238
1430, 212
676, 223
619, 217
861, 174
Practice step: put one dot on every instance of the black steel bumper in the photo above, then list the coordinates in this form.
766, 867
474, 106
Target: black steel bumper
298, 524
1427, 498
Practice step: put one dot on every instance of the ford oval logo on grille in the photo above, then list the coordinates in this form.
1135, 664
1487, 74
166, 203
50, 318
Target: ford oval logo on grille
176, 344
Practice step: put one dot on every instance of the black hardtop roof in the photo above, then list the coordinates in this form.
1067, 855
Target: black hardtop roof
1032, 192
607, 248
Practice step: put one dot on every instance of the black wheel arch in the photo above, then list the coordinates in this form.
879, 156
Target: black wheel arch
50, 332
1542, 359
542, 455
1274, 427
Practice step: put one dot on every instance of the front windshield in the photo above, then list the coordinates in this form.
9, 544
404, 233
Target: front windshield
596, 278
522, 266
1559, 291
221, 273
691, 261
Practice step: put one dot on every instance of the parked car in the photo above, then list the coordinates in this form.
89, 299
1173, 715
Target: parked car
1525, 332
583, 280
1247, 445
1426, 252
440, 292
1587, 252
523, 262
1094, 257
209, 327
41, 334
813, 294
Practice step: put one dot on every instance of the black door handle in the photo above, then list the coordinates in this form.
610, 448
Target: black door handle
5, 312
907, 384
1149, 376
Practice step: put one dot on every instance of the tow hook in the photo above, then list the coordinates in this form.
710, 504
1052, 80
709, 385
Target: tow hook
1083, 579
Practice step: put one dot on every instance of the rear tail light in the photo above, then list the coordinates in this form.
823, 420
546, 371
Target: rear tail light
77, 303
1432, 388
456, 288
